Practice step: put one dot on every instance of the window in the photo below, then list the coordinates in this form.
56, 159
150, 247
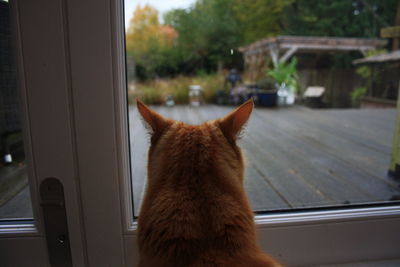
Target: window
72, 54
322, 133
15, 200
318, 158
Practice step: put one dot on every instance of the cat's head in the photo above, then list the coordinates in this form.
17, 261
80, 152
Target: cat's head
180, 153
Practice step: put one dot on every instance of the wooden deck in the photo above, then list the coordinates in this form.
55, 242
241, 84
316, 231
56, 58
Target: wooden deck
298, 157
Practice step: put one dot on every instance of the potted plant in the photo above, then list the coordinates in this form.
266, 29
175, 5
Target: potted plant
265, 93
285, 75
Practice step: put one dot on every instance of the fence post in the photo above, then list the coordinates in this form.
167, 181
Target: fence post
394, 169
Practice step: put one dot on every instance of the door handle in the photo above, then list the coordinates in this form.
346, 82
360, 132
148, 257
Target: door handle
55, 222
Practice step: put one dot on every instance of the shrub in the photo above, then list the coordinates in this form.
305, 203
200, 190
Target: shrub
285, 73
155, 91
358, 93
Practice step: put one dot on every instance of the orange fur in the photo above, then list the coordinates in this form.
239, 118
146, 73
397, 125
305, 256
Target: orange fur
195, 211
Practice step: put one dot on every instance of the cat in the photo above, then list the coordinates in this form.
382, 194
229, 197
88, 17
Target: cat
195, 211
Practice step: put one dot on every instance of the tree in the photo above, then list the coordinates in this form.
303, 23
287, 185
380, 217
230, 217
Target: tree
212, 29
150, 43
207, 33
259, 18
344, 18
341, 18
143, 29
201, 37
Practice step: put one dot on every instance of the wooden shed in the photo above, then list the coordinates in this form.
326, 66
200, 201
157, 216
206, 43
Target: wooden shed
393, 56
314, 68
382, 91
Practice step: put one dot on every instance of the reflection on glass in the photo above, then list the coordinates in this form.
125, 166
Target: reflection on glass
15, 199
325, 89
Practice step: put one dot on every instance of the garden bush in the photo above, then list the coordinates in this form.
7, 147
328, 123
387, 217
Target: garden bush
155, 91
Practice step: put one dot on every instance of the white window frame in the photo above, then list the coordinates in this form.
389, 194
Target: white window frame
45, 91
100, 211
297, 238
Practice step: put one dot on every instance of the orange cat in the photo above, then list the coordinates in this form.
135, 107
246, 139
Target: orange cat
195, 211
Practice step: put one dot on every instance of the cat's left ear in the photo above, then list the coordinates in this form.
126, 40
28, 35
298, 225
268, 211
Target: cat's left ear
157, 123
232, 124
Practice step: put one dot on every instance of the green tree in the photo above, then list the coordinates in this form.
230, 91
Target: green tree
212, 29
344, 18
339, 18
259, 18
206, 33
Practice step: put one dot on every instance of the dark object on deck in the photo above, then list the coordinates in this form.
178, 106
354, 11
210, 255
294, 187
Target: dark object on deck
263, 94
267, 98
395, 174
221, 98
313, 96
238, 95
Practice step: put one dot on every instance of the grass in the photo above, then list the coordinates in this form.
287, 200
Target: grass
155, 91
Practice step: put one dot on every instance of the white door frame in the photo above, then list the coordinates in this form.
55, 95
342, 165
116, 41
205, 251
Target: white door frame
72, 66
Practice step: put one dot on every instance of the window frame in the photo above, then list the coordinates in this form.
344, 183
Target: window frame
41, 53
297, 237
105, 233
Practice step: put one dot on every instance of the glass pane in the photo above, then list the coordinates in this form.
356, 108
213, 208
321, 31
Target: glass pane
325, 89
15, 200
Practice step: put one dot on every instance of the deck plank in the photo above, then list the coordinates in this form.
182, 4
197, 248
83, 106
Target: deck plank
355, 154
298, 157
370, 136
361, 123
324, 170
290, 184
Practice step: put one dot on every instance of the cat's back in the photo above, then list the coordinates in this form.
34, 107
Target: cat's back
195, 211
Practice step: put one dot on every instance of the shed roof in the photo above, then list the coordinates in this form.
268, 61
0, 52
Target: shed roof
281, 48
388, 57
312, 44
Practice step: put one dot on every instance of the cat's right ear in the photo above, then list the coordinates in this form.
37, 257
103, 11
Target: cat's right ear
232, 124
155, 121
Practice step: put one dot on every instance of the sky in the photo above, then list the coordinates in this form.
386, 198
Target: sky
161, 5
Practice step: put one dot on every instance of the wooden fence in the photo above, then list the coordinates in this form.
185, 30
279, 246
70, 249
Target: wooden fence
339, 83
